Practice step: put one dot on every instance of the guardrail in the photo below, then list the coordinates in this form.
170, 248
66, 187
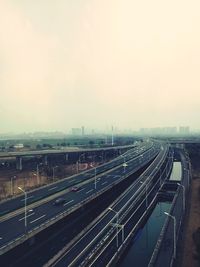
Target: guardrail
164, 250
125, 211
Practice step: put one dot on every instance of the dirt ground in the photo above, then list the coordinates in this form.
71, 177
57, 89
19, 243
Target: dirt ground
192, 223
29, 180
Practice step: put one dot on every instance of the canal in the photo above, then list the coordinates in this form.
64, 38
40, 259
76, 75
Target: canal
140, 251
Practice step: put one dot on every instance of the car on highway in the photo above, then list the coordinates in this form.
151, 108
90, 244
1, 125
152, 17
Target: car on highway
75, 188
59, 201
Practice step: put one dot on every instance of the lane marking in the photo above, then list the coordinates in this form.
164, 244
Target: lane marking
68, 202
27, 198
52, 188
80, 190
73, 180
104, 183
89, 191
38, 218
26, 216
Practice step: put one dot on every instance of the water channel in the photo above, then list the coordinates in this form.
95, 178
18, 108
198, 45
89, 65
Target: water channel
140, 251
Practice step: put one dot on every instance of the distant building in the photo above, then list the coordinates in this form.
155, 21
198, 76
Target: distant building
159, 131
184, 130
76, 131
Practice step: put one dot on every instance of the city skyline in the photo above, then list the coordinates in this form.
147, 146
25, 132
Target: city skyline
98, 63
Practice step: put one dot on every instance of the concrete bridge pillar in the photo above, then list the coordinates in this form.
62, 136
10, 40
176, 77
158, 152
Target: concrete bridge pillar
19, 163
66, 157
45, 160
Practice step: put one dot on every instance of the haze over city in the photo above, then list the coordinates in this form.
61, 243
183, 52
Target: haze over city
131, 64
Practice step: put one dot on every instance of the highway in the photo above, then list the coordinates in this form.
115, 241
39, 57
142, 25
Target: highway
94, 245
46, 191
13, 230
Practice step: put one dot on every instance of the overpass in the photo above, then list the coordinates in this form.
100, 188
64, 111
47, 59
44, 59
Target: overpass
183, 140
19, 155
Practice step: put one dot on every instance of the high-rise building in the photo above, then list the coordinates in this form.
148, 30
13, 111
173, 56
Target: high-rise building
76, 131
184, 130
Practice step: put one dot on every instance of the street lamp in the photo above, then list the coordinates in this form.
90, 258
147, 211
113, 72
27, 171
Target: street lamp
25, 211
117, 223
174, 220
124, 164
140, 159
95, 176
145, 193
79, 159
183, 187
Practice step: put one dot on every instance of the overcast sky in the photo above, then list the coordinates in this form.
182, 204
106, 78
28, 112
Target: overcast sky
98, 63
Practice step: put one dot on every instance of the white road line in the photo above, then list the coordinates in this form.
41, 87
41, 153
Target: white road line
38, 218
80, 190
104, 183
89, 191
26, 216
26, 198
68, 202
73, 180
52, 188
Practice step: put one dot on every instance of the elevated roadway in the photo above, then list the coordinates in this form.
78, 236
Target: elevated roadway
60, 151
99, 243
13, 229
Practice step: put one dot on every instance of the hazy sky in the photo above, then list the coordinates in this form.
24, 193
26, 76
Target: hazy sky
98, 63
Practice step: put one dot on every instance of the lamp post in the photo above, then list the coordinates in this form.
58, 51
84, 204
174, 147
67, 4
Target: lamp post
174, 220
183, 187
124, 164
95, 176
78, 162
140, 159
117, 223
25, 210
